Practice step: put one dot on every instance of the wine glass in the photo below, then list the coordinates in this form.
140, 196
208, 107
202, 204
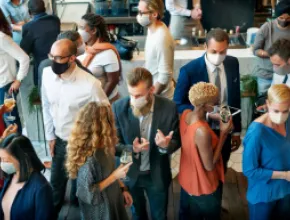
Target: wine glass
225, 113
126, 157
9, 101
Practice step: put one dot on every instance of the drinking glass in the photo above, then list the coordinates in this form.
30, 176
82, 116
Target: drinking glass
126, 157
225, 113
9, 101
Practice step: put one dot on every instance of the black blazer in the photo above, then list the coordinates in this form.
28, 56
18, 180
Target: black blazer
196, 71
38, 35
165, 118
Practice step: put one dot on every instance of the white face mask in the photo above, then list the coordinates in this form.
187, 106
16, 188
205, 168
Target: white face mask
8, 167
85, 35
81, 49
139, 102
283, 70
143, 20
215, 59
278, 118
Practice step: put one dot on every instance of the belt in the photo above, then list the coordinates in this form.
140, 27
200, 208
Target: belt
146, 172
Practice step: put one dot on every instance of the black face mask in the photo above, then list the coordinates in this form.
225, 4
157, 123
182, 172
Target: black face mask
59, 68
283, 23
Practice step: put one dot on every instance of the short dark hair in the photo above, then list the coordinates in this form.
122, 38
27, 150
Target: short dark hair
138, 75
283, 7
22, 150
98, 22
36, 6
218, 35
71, 35
280, 47
4, 25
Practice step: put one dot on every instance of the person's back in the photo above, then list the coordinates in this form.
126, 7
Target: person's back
39, 34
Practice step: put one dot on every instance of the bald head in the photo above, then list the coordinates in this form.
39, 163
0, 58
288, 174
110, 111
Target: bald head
63, 48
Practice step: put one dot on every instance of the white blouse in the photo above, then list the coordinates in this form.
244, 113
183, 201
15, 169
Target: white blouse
9, 53
104, 62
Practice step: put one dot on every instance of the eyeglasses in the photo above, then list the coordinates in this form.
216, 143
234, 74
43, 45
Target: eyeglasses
57, 58
144, 13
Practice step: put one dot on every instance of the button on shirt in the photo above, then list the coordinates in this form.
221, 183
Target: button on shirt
145, 131
211, 75
62, 98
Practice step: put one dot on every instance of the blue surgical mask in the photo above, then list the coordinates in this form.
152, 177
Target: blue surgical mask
8, 168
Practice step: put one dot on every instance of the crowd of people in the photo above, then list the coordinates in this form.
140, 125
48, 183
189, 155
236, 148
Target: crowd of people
88, 124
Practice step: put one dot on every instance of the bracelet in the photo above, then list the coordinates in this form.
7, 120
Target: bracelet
124, 189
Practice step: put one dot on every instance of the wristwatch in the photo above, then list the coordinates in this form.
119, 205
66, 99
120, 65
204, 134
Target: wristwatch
124, 189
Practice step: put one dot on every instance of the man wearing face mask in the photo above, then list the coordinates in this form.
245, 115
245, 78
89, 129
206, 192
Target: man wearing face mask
218, 68
36, 39
66, 88
147, 125
159, 47
279, 54
75, 37
266, 36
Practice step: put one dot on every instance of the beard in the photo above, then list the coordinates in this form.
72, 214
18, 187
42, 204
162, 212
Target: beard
138, 112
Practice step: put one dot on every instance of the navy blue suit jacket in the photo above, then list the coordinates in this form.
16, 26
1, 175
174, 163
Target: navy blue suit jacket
38, 35
165, 118
196, 71
33, 201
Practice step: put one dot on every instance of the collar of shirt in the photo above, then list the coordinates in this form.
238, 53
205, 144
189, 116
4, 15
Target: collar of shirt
36, 17
210, 66
67, 77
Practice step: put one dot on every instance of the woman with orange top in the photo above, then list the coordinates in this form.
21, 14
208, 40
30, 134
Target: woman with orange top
201, 168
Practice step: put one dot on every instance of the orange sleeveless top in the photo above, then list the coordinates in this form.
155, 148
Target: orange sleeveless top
193, 177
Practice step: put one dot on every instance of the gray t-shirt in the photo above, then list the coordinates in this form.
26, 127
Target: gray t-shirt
266, 36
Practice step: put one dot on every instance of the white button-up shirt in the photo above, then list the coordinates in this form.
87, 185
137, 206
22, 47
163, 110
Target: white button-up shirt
9, 53
62, 98
177, 7
279, 79
211, 76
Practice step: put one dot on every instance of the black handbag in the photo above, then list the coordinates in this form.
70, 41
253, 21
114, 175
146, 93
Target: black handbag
124, 46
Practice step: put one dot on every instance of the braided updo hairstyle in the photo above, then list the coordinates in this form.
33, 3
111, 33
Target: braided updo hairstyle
97, 22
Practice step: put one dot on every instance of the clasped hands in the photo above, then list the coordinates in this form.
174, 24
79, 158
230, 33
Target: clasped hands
160, 140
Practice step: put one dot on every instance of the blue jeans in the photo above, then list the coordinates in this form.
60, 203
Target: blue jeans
263, 85
158, 199
278, 209
14, 112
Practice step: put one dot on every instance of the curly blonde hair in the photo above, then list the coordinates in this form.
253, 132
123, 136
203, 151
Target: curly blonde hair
93, 129
202, 93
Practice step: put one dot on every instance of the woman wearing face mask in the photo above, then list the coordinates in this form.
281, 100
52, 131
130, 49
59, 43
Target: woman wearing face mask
159, 47
26, 193
101, 57
201, 174
266, 159
266, 36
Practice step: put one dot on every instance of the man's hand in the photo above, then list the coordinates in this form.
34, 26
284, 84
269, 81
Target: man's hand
11, 129
161, 140
236, 142
15, 86
138, 147
196, 13
51, 147
128, 199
